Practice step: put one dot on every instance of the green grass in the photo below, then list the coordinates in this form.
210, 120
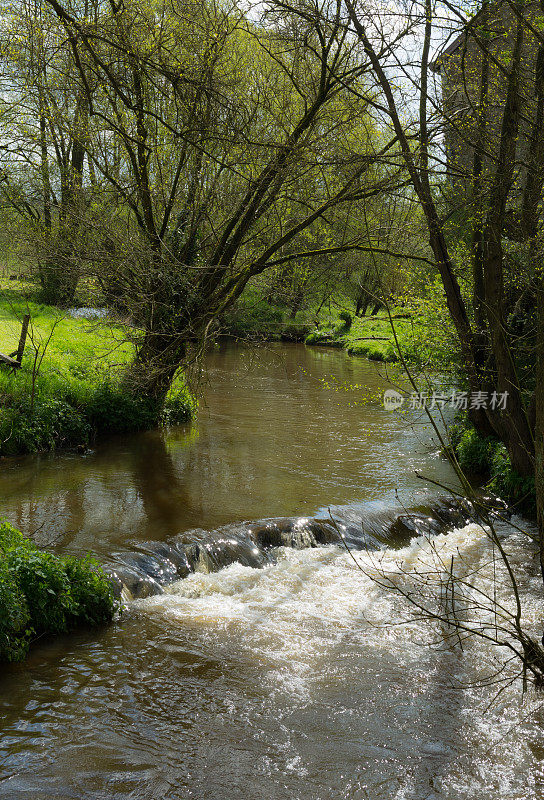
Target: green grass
371, 337
73, 393
76, 346
255, 318
43, 594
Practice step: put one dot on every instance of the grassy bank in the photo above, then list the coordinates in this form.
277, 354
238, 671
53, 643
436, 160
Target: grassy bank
67, 390
422, 329
371, 336
42, 594
332, 325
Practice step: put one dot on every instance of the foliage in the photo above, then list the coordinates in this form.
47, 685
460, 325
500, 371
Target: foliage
488, 457
48, 425
257, 316
43, 594
432, 344
368, 336
326, 336
517, 490
180, 405
111, 409
224, 145
253, 317
474, 453
14, 617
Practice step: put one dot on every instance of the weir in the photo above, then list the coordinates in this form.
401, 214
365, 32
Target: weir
146, 571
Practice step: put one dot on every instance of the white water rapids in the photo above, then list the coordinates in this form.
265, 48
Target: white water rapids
317, 626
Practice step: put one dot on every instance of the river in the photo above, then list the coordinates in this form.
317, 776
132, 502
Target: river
292, 681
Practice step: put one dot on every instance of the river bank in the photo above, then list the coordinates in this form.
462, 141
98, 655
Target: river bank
42, 594
332, 325
68, 390
232, 463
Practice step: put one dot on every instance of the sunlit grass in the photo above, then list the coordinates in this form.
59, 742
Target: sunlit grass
370, 336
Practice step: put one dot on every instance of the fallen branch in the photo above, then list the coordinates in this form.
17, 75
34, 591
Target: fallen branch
374, 338
11, 362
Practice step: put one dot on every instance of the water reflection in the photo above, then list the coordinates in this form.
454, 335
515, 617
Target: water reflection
280, 432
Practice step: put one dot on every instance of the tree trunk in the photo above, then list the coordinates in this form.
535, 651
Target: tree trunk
539, 421
512, 425
44, 167
157, 361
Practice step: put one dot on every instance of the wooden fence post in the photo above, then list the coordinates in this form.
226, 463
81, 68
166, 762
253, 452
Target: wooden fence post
14, 359
22, 340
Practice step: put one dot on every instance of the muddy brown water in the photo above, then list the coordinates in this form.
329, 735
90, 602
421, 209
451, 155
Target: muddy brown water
288, 681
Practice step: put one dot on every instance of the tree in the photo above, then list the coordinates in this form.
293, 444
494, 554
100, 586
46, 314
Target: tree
498, 61
45, 129
505, 171
213, 154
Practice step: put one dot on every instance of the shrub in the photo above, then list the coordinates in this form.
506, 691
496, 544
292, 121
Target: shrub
473, 452
510, 485
14, 618
44, 594
374, 351
428, 340
358, 349
111, 409
49, 424
91, 592
295, 331
45, 585
253, 318
489, 457
316, 337
325, 337
180, 406
455, 433
106, 408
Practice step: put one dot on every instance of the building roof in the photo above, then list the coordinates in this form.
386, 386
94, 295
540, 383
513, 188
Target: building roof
436, 63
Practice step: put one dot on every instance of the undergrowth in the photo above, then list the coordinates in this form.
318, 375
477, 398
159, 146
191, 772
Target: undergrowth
42, 594
487, 457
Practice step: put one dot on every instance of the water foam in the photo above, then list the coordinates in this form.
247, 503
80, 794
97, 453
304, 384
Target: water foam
321, 626
293, 611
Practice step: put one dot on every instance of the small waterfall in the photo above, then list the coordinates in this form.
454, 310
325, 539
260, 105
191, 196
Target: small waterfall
145, 571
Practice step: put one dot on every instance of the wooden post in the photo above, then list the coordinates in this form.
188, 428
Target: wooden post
14, 359
22, 340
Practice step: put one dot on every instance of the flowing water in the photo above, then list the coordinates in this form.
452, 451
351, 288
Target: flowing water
256, 669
